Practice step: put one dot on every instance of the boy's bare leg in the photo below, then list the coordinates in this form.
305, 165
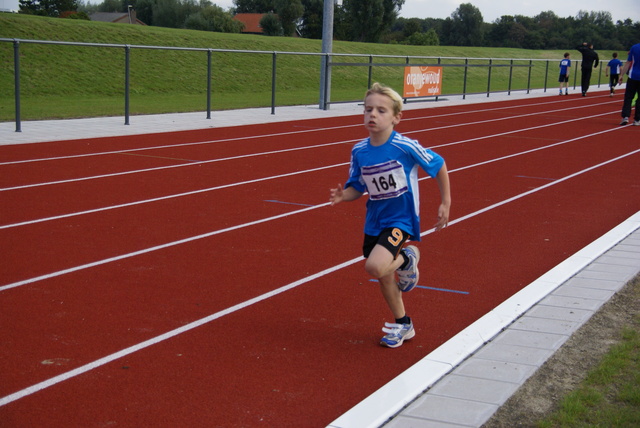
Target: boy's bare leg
381, 264
392, 295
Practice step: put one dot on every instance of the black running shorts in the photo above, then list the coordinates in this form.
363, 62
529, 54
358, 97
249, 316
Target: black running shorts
392, 239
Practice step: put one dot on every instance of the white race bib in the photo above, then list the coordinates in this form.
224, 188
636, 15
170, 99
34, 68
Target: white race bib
385, 180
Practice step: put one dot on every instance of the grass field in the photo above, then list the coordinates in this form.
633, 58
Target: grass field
60, 81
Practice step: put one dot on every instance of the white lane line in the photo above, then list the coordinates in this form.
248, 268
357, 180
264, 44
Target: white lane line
154, 248
127, 351
217, 232
167, 146
177, 195
196, 163
102, 361
192, 163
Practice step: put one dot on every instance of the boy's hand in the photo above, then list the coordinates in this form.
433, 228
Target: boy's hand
336, 195
443, 217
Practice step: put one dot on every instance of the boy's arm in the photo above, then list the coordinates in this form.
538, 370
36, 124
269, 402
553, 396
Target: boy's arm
445, 197
343, 195
627, 66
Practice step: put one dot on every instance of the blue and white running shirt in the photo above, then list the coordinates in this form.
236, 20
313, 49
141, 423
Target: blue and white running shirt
390, 174
634, 57
615, 65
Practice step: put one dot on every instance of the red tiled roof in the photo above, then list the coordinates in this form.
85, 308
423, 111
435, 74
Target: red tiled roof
251, 21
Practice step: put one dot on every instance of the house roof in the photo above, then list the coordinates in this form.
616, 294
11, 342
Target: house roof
251, 22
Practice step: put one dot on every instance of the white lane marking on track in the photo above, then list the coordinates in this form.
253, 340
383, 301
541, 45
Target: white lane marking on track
264, 220
154, 248
197, 163
137, 171
266, 153
177, 195
127, 351
285, 133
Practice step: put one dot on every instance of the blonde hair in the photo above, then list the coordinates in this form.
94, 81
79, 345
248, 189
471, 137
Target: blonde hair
378, 88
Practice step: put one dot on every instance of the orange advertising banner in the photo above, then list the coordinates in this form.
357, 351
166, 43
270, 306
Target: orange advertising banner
422, 81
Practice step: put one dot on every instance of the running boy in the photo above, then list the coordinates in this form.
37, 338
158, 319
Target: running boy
565, 66
386, 166
613, 72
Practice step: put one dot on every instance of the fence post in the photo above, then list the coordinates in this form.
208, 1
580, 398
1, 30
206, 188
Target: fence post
209, 83
273, 83
370, 72
442, 83
16, 72
326, 82
529, 78
126, 84
546, 76
510, 76
464, 85
489, 77
406, 62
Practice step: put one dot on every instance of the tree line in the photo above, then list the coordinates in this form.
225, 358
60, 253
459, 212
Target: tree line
373, 21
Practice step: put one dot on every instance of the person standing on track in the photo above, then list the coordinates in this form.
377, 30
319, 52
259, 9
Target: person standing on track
590, 61
386, 166
633, 84
613, 72
565, 67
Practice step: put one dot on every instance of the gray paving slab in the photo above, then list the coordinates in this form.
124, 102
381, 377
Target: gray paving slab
495, 370
577, 290
572, 302
542, 325
599, 275
434, 411
606, 283
531, 339
513, 354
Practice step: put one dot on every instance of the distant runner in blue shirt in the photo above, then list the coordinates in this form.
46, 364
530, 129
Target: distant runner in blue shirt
633, 84
565, 66
613, 71
386, 166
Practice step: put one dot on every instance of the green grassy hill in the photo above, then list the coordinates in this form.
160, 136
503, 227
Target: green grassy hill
72, 81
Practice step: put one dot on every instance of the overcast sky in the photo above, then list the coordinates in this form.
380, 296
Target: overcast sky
493, 9
490, 9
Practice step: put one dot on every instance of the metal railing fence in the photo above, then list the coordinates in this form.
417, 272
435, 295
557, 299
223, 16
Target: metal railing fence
464, 76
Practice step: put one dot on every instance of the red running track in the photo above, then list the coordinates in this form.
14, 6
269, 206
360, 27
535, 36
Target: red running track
201, 279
